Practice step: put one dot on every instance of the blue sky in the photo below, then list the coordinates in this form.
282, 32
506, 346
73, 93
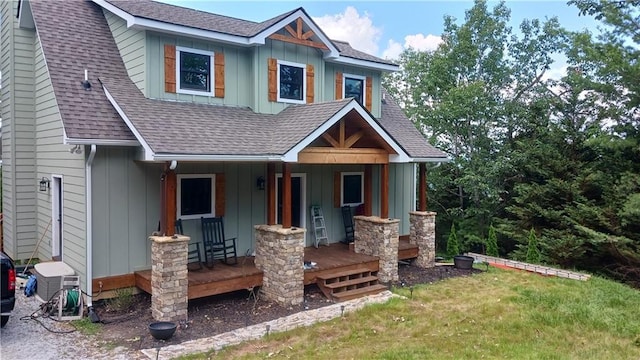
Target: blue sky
385, 28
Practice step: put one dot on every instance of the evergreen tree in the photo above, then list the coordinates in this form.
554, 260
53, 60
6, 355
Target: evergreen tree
453, 248
533, 254
492, 242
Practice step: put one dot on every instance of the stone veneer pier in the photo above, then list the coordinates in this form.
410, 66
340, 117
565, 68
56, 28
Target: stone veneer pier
422, 232
169, 282
379, 237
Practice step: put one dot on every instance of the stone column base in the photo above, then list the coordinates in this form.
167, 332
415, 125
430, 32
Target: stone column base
423, 233
280, 255
379, 237
169, 282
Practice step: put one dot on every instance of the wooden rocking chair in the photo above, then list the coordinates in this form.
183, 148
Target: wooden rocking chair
349, 230
216, 246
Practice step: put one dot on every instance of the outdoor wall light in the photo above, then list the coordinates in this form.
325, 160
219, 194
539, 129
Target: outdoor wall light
44, 184
260, 183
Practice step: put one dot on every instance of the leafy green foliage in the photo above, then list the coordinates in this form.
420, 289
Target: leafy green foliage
492, 242
533, 253
453, 248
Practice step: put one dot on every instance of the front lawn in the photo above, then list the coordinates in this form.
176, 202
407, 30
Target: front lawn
496, 314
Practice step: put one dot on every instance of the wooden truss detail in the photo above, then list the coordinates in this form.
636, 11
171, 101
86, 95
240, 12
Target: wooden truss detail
298, 36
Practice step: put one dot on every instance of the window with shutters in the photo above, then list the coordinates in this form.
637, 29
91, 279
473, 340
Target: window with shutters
194, 71
196, 196
292, 82
353, 87
352, 188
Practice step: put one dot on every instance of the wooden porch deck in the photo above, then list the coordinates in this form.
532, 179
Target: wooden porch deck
227, 278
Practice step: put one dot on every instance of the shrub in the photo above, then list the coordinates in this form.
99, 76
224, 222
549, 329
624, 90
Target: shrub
533, 253
492, 242
453, 248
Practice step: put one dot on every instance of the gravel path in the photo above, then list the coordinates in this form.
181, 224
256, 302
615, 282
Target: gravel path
25, 337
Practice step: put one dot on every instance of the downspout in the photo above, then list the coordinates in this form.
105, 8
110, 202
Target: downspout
89, 223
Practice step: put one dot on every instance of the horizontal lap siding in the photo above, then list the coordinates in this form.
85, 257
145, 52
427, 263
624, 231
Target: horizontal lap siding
132, 46
53, 158
17, 95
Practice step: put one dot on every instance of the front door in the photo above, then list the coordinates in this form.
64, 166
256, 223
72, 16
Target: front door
298, 200
56, 218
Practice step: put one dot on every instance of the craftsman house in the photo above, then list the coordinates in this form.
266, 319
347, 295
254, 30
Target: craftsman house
119, 116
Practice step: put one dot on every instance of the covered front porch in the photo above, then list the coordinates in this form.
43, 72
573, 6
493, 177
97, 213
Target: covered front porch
221, 278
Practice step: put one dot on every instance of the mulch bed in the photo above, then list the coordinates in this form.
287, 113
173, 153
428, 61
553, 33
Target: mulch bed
127, 325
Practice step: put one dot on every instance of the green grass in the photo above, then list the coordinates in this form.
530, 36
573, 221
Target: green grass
495, 315
86, 327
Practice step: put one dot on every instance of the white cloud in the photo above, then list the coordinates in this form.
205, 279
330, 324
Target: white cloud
417, 42
352, 27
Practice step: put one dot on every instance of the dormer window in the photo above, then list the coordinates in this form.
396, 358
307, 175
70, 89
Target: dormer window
354, 86
194, 71
291, 82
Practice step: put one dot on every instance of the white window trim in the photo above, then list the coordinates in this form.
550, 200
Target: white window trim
342, 175
211, 72
179, 196
304, 82
357, 77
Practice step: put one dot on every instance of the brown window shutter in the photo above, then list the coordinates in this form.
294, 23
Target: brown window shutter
273, 79
310, 85
337, 184
170, 68
368, 93
219, 74
220, 201
338, 86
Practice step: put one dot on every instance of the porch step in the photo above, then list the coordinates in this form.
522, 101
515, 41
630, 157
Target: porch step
356, 293
350, 284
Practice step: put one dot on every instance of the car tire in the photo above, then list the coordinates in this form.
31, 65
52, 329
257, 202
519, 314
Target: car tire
3, 320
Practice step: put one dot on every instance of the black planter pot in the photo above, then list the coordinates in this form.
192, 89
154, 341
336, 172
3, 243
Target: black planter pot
162, 330
463, 262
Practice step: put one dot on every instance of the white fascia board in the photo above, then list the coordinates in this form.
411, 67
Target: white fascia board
400, 157
262, 36
139, 23
25, 21
148, 153
363, 63
213, 157
101, 142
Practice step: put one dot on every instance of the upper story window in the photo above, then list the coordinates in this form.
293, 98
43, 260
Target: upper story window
194, 71
354, 86
291, 82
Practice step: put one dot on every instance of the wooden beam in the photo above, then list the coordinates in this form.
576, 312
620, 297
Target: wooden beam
290, 30
341, 136
308, 34
330, 140
422, 187
329, 155
171, 183
353, 139
302, 42
299, 24
113, 282
271, 194
286, 195
368, 190
384, 191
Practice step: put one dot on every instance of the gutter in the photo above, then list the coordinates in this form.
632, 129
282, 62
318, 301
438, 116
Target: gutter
89, 224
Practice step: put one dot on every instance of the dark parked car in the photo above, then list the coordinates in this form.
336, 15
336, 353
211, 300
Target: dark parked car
7, 287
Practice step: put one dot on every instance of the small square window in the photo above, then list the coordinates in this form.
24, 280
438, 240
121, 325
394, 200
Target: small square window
195, 196
194, 71
352, 192
354, 87
291, 82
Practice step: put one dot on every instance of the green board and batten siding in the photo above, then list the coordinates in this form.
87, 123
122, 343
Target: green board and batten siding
54, 159
132, 46
18, 143
330, 83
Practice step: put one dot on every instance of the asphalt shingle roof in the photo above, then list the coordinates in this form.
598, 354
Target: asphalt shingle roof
70, 46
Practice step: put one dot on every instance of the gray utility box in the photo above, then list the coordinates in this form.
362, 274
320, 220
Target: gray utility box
48, 276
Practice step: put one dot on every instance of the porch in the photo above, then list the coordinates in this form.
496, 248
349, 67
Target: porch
333, 259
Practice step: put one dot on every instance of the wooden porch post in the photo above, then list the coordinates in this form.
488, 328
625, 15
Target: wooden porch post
384, 191
422, 187
271, 194
168, 201
368, 190
286, 195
